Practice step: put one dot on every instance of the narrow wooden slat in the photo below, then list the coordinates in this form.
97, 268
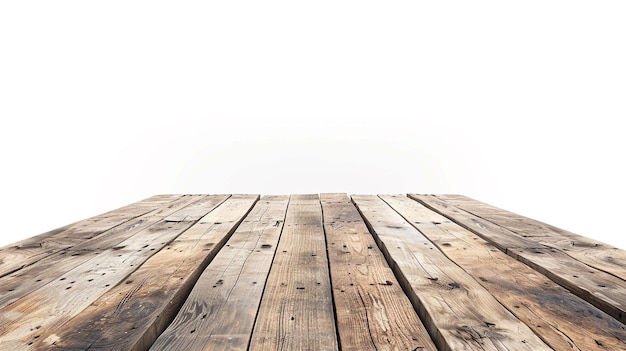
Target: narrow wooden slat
42, 272
563, 320
373, 313
296, 311
459, 313
220, 311
28, 251
591, 252
601, 289
25, 321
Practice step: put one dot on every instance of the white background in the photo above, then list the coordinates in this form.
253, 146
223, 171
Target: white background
518, 104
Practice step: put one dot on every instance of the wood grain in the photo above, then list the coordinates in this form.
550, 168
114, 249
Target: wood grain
388, 272
563, 320
48, 269
138, 310
28, 251
603, 290
35, 316
372, 311
459, 313
220, 311
588, 251
296, 311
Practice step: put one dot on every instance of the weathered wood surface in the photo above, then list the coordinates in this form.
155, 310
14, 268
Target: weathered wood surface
52, 267
296, 310
26, 252
220, 311
563, 320
34, 316
131, 315
388, 272
588, 251
459, 313
373, 313
604, 290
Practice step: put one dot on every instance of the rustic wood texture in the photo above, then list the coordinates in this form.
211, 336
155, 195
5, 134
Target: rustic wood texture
44, 271
26, 252
459, 313
296, 311
588, 251
136, 313
563, 320
304, 272
602, 289
372, 311
220, 311
34, 316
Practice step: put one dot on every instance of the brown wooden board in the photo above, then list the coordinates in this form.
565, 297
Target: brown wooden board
44, 271
373, 313
563, 320
28, 251
601, 289
296, 311
193, 212
328, 277
591, 252
458, 312
164, 198
131, 315
220, 311
35, 316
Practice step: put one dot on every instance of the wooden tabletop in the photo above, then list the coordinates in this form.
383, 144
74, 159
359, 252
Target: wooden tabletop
311, 272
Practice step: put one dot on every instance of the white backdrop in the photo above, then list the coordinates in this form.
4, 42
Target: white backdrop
106, 103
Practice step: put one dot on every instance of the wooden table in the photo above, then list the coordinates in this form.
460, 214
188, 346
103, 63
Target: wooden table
311, 272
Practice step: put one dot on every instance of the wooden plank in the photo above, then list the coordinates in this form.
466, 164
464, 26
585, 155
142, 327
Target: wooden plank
162, 199
220, 311
132, 315
192, 212
458, 312
25, 321
373, 313
28, 251
557, 316
601, 289
591, 252
296, 311
31, 278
